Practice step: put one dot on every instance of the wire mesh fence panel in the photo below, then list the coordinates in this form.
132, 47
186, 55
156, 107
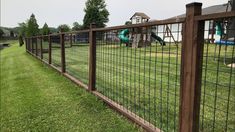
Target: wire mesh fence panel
34, 45
38, 39
45, 48
76, 55
139, 68
217, 111
55, 50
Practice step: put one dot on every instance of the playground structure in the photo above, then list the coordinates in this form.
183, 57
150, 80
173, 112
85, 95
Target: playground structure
224, 28
144, 36
139, 37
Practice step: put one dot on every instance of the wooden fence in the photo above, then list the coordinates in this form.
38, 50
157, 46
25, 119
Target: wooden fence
144, 84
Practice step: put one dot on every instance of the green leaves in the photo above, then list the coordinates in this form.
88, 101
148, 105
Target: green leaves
45, 29
63, 28
76, 26
95, 12
32, 26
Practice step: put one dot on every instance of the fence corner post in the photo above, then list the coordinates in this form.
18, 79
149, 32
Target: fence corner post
191, 69
62, 53
92, 58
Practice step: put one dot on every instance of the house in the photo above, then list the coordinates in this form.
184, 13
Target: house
139, 17
227, 7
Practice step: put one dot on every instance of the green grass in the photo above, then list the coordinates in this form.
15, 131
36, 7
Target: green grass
36, 98
151, 90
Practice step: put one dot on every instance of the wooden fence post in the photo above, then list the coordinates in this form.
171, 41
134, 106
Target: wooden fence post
62, 53
92, 58
32, 47
41, 48
191, 69
36, 42
26, 44
49, 49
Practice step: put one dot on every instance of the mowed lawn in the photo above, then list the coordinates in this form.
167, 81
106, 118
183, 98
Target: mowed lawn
147, 81
36, 98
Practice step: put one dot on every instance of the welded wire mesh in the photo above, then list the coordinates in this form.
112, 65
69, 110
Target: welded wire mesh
218, 79
45, 48
139, 68
76, 55
55, 50
34, 45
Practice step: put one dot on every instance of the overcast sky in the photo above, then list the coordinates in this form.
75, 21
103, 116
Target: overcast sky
56, 12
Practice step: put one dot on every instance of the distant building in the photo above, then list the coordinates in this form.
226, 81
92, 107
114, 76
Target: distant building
139, 17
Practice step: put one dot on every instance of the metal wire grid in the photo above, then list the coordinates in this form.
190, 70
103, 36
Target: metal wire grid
77, 56
55, 51
45, 48
218, 81
38, 39
144, 80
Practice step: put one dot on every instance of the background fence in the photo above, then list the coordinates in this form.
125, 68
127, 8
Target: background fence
168, 75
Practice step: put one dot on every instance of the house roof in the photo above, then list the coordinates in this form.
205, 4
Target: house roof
210, 10
143, 15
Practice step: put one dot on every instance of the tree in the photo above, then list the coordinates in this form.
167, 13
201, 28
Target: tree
32, 27
95, 12
45, 29
22, 29
128, 23
1, 33
63, 28
76, 26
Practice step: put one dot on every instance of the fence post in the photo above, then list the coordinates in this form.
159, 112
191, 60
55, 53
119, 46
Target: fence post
32, 47
62, 53
92, 58
49, 49
41, 48
191, 69
26, 44
36, 42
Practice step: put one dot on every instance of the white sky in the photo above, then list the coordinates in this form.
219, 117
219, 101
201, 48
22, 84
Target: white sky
56, 12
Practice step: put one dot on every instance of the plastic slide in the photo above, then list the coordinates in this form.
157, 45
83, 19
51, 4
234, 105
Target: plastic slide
224, 42
153, 35
123, 36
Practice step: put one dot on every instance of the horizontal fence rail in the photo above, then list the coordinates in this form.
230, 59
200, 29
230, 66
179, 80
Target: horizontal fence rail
168, 75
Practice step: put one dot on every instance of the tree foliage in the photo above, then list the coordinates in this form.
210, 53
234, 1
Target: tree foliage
1, 33
22, 28
128, 23
76, 26
45, 29
32, 26
95, 12
63, 28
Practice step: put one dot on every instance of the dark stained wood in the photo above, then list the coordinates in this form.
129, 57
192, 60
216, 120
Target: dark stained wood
36, 44
127, 113
41, 48
62, 53
153, 23
215, 16
92, 58
73, 79
49, 50
191, 70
